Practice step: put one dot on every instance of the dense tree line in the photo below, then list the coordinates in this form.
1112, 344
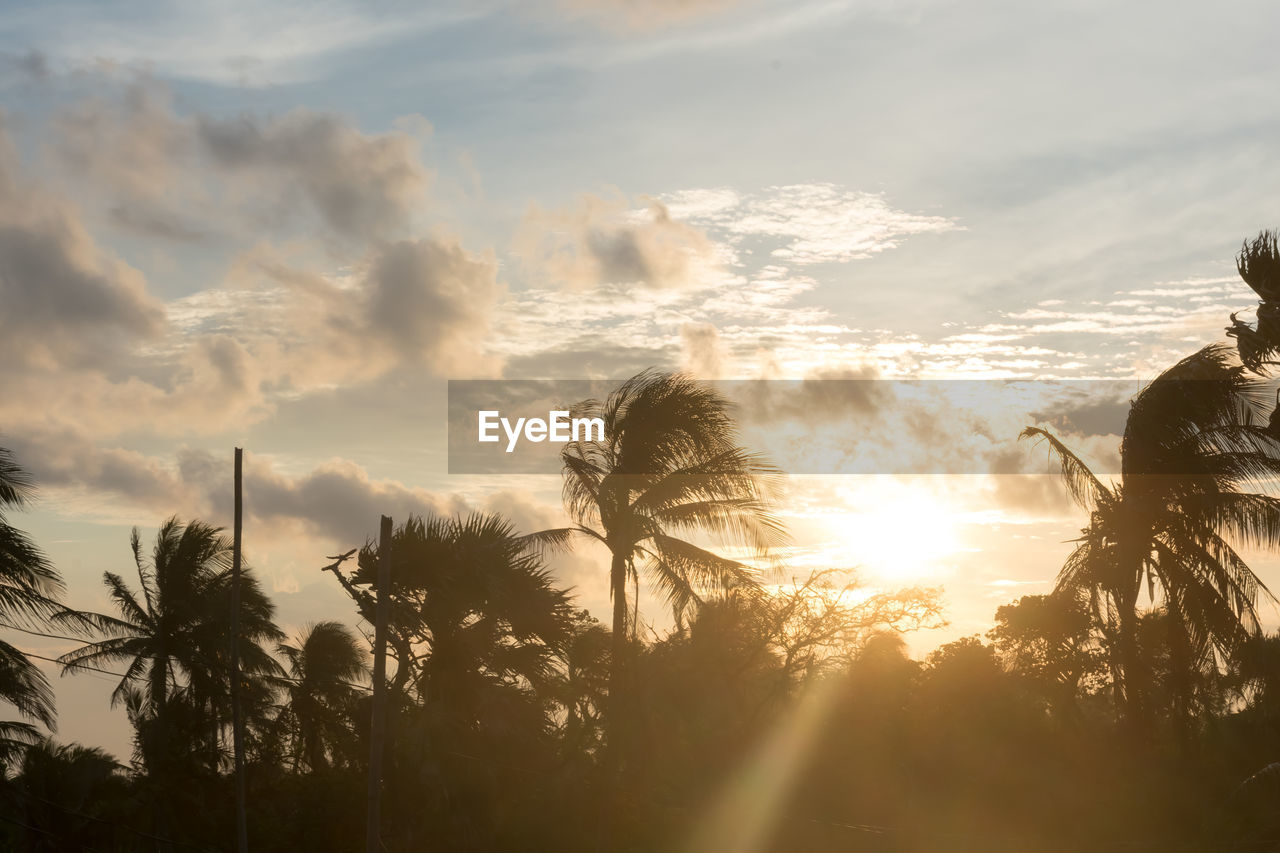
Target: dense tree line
1136, 706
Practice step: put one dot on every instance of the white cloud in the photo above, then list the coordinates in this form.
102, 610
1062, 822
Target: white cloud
815, 223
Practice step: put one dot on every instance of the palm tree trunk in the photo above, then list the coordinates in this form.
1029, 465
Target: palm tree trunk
160, 769
1135, 706
620, 665
1182, 682
611, 804
1127, 586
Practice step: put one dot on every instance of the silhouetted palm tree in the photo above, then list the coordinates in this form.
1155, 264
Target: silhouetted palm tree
68, 797
321, 693
472, 607
667, 467
475, 625
580, 684
29, 589
174, 632
1195, 468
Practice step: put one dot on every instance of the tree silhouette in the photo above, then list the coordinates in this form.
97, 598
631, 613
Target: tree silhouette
667, 467
476, 626
320, 694
174, 632
66, 797
1258, 263
1048, 640
580, 684
29, 589
472, 607
1195, 466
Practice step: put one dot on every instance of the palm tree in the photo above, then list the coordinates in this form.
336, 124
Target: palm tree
29, 589
323, 663
580, 684
174, 632
67, 796
475, 625
667, 466
1195, 468
472, 608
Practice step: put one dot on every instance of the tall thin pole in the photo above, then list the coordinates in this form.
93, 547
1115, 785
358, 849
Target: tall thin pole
237, 719
378, 725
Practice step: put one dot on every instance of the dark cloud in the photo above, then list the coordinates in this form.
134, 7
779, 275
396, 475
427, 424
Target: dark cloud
66, 458
283, 172
1098, 417
32, 65
62, 305
128, 141
337, 501
824, 395
411, 303
361, 186
63, 301
431, 300
605, 242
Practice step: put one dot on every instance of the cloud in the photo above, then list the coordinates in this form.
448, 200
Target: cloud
86, 345
813, 223
413, 303
606, 242
336, 500
281, 173
66, 301
750, 257
208, 386
839, 394
32, 65
129, 141
150, 221
67, 458
361, 186
703, 352
589, 357
1099, 416
431, 300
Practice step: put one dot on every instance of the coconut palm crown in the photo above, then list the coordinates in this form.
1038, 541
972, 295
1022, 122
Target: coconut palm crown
1197, 482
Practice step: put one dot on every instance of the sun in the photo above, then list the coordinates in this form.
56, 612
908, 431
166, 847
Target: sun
899, 532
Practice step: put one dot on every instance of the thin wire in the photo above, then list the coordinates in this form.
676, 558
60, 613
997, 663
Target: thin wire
73, 667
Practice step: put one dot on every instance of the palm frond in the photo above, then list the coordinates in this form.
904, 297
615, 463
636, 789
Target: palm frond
1082, 484
24, 686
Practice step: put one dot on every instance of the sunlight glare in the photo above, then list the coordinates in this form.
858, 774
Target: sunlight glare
905, 533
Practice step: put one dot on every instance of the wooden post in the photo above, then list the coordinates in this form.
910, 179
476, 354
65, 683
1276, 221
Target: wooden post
237, 717
378, 725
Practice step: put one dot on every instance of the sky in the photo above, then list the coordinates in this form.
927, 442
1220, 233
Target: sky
285, 227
